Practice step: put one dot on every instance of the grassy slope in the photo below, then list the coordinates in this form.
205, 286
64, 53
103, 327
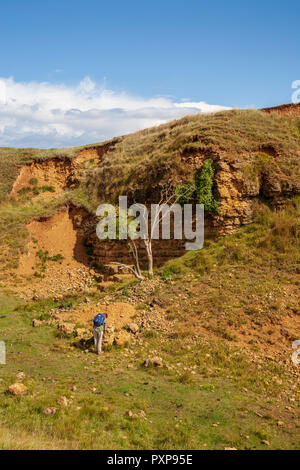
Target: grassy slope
138, 162
210, 298
225, 303
143, 159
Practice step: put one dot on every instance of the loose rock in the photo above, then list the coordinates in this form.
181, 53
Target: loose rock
18, 389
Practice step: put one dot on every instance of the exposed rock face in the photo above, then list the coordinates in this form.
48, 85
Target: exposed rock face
59, 173
110, 251
238, 181
68, 270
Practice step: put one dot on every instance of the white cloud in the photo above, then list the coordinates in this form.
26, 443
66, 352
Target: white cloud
34, 114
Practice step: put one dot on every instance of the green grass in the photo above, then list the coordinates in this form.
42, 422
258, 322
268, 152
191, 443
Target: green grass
181, 409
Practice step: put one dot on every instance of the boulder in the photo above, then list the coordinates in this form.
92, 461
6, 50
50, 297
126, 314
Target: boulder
82, 333
153, 362
18, 389
66, 328
20, 376
110, 269
62, 401
133, 327
49, 410
122, 338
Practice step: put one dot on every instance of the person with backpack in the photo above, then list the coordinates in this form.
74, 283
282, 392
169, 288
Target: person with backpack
100, 325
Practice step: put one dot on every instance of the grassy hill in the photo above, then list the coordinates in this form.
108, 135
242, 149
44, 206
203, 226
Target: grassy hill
221, 320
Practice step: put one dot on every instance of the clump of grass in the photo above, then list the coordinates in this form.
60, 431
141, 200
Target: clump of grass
185, 378
201, 190
204, 187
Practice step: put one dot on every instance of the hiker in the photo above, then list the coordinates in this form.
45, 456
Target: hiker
100, 324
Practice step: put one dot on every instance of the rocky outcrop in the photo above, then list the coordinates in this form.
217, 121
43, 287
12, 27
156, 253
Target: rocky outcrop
291, 110
239, 181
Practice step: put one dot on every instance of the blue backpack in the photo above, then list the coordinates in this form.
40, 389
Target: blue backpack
99, 319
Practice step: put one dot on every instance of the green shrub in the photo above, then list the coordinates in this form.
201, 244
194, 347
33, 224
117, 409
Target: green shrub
200, 190
204, 183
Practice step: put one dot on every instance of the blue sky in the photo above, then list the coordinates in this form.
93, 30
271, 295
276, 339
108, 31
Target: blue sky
233, 53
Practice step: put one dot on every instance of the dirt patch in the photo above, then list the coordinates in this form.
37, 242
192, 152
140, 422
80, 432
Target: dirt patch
119, 314
55, 261
91, 155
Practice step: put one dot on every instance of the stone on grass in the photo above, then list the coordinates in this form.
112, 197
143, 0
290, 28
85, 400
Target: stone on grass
66, 328
153, 361
18, 389
133, 327
140, 414
62, 401
49, 410
20, 376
